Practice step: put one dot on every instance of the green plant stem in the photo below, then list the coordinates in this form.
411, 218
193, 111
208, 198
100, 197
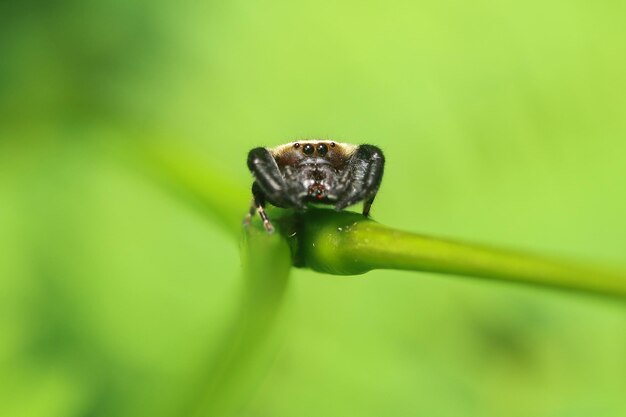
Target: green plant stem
225, 383
247, 351
347, 243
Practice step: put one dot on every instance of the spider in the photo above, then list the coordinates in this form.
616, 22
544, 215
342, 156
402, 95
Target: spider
314, 171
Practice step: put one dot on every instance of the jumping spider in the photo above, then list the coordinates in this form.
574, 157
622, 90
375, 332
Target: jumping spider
326, 172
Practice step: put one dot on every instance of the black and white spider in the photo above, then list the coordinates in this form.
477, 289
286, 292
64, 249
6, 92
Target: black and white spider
314, 171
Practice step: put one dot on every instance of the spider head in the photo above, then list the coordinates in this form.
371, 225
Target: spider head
296, 153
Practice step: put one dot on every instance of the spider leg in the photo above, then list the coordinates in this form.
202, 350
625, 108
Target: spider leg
275, 188
258, 205
251, 212
362, 178
368, 205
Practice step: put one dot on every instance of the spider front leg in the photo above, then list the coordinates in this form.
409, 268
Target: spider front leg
258, 205
362, 178
271, 186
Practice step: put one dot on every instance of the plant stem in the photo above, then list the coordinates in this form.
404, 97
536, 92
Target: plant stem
247, 352
225, 383
347, 243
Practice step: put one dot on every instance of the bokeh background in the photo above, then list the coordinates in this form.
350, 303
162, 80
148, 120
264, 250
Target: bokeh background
503, 122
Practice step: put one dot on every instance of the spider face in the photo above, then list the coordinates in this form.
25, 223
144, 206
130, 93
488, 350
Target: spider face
314, 171
316, 166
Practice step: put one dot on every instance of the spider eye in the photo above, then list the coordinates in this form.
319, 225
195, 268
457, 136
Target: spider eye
322, 149
308, 149
296, 145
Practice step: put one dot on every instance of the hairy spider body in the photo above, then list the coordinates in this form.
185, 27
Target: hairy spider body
312, 171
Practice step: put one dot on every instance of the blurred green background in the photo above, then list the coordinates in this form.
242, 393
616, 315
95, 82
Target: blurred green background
502, 122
